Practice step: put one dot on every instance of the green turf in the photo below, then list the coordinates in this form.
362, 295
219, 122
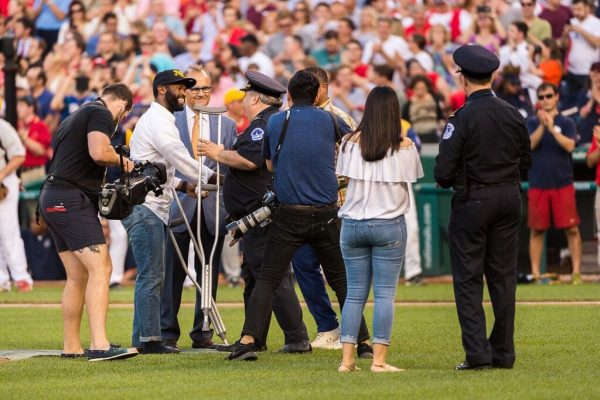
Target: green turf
557, 357
557, 350
433, 292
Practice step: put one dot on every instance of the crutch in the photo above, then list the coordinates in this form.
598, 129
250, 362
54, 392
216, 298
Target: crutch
207, 267
215, 316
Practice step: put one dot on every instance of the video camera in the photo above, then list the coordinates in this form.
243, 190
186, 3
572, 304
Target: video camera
116, 200
260, 216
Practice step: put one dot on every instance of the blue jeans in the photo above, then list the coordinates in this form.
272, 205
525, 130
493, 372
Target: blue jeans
373, 250
147, 235
308, 274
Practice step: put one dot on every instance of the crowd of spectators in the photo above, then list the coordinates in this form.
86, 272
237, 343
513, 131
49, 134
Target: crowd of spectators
68, 50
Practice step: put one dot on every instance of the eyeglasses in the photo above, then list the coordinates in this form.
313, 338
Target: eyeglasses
527, 4
545, 96
204, 89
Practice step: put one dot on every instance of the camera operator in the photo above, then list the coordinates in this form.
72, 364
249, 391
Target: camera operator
246, 182
306, 186
68, 202
156, 139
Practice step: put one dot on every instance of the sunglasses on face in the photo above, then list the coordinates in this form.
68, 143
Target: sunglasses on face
545, 96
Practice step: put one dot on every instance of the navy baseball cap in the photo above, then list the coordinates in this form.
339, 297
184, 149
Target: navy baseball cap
172, 77
261, 83
475, 61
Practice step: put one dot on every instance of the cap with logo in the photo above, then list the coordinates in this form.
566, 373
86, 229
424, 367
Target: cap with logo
172, 77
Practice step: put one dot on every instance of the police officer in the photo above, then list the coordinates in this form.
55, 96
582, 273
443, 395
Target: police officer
246, 181
484, 146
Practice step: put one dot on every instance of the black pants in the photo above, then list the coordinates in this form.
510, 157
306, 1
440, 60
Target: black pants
175, 276
286, 307
290, 229
483, 232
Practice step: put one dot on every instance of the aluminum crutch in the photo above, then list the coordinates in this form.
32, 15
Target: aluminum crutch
207, 267
215, 316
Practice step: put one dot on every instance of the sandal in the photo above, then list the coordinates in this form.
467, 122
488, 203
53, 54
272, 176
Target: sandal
348, 368
385, 368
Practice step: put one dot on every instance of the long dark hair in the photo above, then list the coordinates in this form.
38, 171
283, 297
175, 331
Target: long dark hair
380, 127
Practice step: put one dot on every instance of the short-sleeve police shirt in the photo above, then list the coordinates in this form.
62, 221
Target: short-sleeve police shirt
72, 161
242, 189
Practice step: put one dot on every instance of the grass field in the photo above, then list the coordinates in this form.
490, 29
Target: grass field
558, 356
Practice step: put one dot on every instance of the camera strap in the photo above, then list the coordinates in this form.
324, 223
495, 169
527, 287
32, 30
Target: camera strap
280, 143
282, 135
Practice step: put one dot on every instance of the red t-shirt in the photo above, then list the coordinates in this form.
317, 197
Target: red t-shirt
361, 70
593, 147
241, 125
38, 131
409, 30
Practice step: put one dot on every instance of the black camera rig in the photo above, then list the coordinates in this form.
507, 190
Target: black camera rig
116, 200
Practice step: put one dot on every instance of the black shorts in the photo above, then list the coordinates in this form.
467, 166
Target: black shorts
71, 217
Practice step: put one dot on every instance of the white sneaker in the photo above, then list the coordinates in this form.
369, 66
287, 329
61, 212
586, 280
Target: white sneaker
327, 340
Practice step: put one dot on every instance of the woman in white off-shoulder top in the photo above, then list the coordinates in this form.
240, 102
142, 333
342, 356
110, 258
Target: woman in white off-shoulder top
378, 162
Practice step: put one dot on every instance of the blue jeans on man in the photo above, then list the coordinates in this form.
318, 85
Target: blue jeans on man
373, 251
147, 235
308, 275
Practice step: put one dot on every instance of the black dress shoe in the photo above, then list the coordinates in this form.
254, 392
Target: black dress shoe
156, 347
203, 344
467, 365
171, 343
302, 346
243, 352
228, 348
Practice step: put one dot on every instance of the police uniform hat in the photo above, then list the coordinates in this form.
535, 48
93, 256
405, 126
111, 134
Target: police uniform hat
475, 61
172, 77
261, 83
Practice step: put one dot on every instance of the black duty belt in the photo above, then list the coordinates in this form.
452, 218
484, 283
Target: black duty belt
301, 207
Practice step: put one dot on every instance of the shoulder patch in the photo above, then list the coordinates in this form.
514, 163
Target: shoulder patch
257, 134
448, 131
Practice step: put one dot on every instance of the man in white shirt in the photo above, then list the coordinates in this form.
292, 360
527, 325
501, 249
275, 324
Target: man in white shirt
193, 126
516, 53
251, 55
583, 33
156, 139
12, 250
386, 48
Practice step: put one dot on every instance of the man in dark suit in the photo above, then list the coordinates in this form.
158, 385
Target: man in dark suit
192, 126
